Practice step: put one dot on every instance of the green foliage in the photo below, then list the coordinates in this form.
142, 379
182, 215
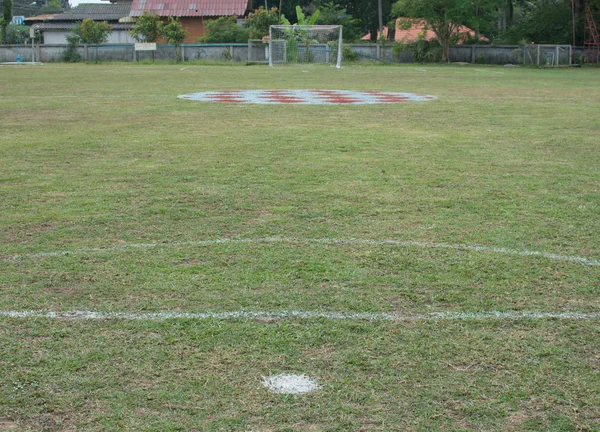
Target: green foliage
302, 20
71, 55
16, 34
260, 20
334, 14
53, 6
7, 15
423, 51
225, 30
443, 17
547, 22
92, 32
173, 33
348, 54
147, 28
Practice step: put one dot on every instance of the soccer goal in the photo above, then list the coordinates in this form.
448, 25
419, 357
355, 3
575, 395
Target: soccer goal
547, 55
305, 44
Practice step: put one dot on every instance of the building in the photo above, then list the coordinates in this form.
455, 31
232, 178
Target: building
56, 28
419, 30
193, 14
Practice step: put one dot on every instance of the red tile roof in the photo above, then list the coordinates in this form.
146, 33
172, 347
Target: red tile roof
41, 17
190, 8
416, 30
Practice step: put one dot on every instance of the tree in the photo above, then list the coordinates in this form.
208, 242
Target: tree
366, 11
16, 34
225, 30
7, 16
260, 20
92, 32
174, 34
546, 21
52, 7
147, 28
334, 14
443, 17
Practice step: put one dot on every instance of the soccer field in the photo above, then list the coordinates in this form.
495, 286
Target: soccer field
431, 265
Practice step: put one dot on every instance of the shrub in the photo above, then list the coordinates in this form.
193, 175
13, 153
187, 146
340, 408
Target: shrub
71, 55
260, 20
225, 30
348, 54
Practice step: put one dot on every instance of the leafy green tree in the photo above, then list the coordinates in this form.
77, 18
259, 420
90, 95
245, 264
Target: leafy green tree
53, 6
225, 30
7, 16
173, 33
92, 32
546, 21
16, 34
260, 20
366, 12
302, 20
71, 55
147, 28
334, 14
443, 17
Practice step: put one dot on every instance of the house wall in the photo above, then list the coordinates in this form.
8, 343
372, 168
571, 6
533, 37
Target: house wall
60, 37
196, 27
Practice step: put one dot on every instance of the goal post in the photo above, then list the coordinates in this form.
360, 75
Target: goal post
305, 44
547, 55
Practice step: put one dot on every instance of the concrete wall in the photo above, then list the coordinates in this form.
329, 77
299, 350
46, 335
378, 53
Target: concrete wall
239, 53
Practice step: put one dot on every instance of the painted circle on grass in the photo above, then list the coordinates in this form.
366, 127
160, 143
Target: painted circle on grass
306, 97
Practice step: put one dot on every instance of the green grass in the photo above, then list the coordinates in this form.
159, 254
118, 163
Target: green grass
105, 156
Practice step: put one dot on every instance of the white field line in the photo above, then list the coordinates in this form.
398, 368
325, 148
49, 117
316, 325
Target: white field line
332, 241
306, 315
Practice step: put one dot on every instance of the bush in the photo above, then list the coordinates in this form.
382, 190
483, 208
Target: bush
92, 32
260, 20
348, 54
147, 28
71, 55
480, 59
423, 50
16, 34
225, 30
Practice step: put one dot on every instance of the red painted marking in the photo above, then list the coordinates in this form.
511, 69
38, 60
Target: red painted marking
227, 99
342, 100
284, 99
392, 99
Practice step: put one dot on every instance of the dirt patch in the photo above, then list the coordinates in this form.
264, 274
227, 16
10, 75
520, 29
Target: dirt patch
8, 424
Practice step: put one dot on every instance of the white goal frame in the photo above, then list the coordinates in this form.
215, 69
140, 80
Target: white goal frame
547, 55
295, 30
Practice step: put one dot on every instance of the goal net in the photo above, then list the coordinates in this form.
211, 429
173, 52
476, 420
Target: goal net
547, 55
305, 44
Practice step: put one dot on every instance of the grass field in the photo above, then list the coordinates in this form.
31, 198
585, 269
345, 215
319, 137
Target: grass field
118, 197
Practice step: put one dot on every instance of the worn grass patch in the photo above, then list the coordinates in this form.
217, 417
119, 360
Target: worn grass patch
107, 156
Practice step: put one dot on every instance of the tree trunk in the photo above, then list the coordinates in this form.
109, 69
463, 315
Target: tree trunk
373, 35
446, 51
380, 14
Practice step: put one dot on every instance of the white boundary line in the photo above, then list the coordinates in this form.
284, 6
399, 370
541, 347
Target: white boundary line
306, 315
332, 241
